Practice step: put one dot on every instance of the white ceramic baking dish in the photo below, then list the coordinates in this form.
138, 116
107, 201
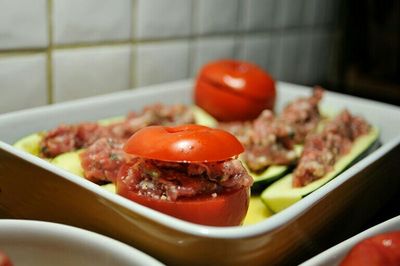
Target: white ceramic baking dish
31, 188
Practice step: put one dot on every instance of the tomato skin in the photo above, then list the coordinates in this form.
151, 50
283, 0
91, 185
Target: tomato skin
234, 90
227, 209
5, 260
382, 249
186, 143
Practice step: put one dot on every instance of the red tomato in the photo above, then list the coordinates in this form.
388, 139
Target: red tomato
4, 260
228, 209
234, 90
186, 143
379, 250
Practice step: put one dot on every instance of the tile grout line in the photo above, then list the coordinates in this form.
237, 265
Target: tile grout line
192, 39
49, 49
132, 76
132, 40
240, 29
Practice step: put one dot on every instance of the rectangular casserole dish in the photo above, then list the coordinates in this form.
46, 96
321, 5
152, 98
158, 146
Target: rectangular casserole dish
31, 188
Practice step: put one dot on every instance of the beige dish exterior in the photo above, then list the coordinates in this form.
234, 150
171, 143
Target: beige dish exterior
33, 189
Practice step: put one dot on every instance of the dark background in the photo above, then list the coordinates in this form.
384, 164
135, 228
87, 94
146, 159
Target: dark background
368, 51
368, 63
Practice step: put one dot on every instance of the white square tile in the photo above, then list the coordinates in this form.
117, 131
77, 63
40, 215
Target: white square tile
207, 49
23, 82
320, 12
326, 11
86, 72
304, 73
84, 21
287, 63
257, 14
161, 19
288, 13
161, 62
23, 24
257, 49
309, 12
321, 56
216, 16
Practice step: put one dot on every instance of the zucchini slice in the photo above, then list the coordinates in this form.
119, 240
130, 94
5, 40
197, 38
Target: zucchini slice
281, 194
30, 143
203, 118
257, 211
69, 161
267, 177
270, 174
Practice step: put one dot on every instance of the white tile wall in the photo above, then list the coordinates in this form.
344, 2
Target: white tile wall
321, 43
161, 62
274, 61
257, 48
257, 14
320, 12
86, 72
161, 19
288, 13
23, 24
216, 16
207, 49
85, 21
100, 46
22, 82
287, 63
326, 11
305, 71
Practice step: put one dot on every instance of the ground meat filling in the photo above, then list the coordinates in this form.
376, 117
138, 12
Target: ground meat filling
102, 160
269, 139
271, 143
66, 138
172, 181
303, 115
322, 150
156, 114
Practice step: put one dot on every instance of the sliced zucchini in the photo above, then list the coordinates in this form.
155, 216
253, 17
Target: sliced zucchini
266, 177
30, 143
69, 161
257, 211
270, 175
110, 187
111, 120
203, 118
281, 194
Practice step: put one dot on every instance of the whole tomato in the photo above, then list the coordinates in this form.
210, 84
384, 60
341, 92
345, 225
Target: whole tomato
161, 156
233, 90
379, 250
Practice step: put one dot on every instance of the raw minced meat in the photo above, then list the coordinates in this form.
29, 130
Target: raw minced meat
67, 138
322, 150
269, 139
102, 160
172, 181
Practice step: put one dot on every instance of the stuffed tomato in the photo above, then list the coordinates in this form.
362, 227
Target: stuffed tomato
190, 172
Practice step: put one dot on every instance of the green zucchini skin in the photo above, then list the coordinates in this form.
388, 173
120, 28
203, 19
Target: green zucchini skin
267, 177
281, 194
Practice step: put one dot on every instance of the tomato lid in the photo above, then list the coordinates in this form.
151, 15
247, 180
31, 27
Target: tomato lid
185, 143
240, 77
